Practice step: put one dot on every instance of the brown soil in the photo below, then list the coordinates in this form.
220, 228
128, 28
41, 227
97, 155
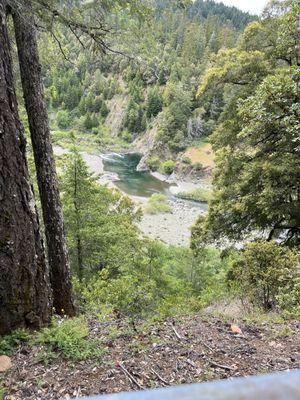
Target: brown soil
194, 349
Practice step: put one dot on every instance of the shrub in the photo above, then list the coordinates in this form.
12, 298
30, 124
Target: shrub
15, 339
168, 167
127, 294
157, 204
268, 274
63, 119
186, 160
153, 163
127, 136
199, 194
70, 337
198, 166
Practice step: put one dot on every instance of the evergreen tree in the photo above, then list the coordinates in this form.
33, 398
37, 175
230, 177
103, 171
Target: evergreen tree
99, 221
154, 102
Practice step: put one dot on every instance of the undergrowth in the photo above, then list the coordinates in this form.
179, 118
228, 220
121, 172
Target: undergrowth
10, 342
70, 338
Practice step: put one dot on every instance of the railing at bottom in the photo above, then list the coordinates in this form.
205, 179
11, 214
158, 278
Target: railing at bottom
278, 386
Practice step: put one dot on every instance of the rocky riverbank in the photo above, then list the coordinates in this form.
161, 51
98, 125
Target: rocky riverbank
172, 228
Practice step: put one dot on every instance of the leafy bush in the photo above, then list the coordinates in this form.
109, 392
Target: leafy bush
168, 167
153, 163
70, 337
128, 294
127, 136
268, 274
186, 160
95, 131
15, 339
157, 204
198, 166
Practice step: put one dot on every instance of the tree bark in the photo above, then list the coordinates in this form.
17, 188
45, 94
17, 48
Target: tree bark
33, 91
24, 278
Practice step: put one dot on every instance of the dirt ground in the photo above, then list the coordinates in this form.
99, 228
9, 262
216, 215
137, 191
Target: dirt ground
137, 356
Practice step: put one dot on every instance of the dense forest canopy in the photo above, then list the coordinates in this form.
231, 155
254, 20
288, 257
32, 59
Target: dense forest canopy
175, 49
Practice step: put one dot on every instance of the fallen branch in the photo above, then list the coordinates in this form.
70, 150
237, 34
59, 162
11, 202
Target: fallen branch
177, 334
206, 345
190, 362
159, 377
226, 367
130, 376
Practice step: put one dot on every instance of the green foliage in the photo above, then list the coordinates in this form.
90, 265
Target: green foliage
46, 357
198, 166
128, 294
153, 163
186, 160
174, 56
99, 221
175, 116
199, 194
91, 121
104, 111
256, 179
268, 275
154, 102
168, 167
157, 204
127, 136
134, 121
161, 281
63, 119
70, 338
15, 339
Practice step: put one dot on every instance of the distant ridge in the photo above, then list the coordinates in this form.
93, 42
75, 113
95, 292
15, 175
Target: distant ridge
205, 8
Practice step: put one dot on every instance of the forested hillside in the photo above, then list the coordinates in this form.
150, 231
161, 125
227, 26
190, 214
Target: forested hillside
149, 194
118, 98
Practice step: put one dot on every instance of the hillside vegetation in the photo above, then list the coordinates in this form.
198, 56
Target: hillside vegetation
208, 94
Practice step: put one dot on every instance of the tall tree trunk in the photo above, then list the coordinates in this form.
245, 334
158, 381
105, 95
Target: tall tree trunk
24, 278
44, 160
77, 216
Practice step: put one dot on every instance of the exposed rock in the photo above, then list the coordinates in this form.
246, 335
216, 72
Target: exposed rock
142, 165
5, 363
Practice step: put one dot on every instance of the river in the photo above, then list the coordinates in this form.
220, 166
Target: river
131, 181
171, 228
120, 170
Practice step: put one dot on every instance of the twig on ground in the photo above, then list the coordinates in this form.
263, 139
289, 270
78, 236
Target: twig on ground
214, 364
176, 333
159, 377
130, 376
190, 362
206, 345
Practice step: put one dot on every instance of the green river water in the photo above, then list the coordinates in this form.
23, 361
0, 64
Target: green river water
131, 181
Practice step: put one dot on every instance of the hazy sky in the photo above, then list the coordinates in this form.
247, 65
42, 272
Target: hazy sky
253, 6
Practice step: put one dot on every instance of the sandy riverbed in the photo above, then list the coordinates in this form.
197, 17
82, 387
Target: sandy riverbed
172, 228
